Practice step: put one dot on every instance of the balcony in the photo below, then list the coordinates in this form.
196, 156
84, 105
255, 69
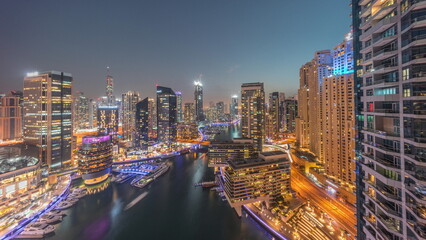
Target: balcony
384, 53
414, 23
414, 41
384, 68
416, 191
414, 59
419, 211
385, 9
381, 133
414, 5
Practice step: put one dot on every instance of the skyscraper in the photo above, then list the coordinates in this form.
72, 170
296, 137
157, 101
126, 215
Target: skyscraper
48, 116
189, 112
142, 119
10, 117
198, 98
290, 114
220, 106
166, 115
253, 112
338, 117
233, 107
275, 110
179, 109
81, 111
390, 89
129, 101
109, 89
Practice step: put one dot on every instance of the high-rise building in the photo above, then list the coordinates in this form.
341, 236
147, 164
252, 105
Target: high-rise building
166, 115
289, 115
107, 119
142, 120
189, 112
311, 77
93, 111
10, 117
48, 116
220, 107
95, 158
253, 112
259, 179
389, 53
233, 107
81, 111
338, 117
198, 100
187, 131
275, 114
179, 110
152, 120
129, 101
109, 90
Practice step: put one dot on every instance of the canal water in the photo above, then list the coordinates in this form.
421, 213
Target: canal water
172, 209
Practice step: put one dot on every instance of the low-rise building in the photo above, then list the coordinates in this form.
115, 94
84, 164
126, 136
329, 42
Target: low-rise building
265, 178
239, 148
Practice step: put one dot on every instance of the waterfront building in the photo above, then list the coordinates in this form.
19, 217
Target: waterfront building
10, 117
253, 112
198, 100
95, 158
265, 178
189, 112
179, 110
233, 107
143, 117
166, 115
129, 101
152, 119
80, 111
48, 116
220, 152
389, 52
290, 115
93, 110
187, 131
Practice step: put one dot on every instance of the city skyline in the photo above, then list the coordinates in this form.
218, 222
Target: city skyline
191, 45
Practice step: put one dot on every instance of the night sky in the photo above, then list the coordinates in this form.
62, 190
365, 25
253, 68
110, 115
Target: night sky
168, 42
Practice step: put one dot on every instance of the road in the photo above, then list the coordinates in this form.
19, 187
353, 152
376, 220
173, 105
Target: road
343, 214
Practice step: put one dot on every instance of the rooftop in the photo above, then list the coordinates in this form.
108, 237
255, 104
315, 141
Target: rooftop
16, 163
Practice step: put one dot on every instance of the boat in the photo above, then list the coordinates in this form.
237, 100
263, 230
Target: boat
64, 205
58, 212
51, 219
36, 230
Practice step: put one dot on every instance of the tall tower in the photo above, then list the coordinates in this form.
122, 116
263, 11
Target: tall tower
129, 101
276, 100
166, 115
81, 111
198, 97
253, 112
233, 107
390, 88
109, 89
189, 113
142, 122
179, 106
48, 116
10, 117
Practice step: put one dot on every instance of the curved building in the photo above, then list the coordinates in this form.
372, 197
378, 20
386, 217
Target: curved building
95, 159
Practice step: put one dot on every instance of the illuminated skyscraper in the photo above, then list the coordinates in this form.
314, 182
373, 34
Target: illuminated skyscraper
81, 111
107, 119
233, 107
129, 101
179, 109
142, 122
198, 98
166, 115
390, 70
109, 89
189, 113
47, 116
10, 117
220, 107
253, 112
